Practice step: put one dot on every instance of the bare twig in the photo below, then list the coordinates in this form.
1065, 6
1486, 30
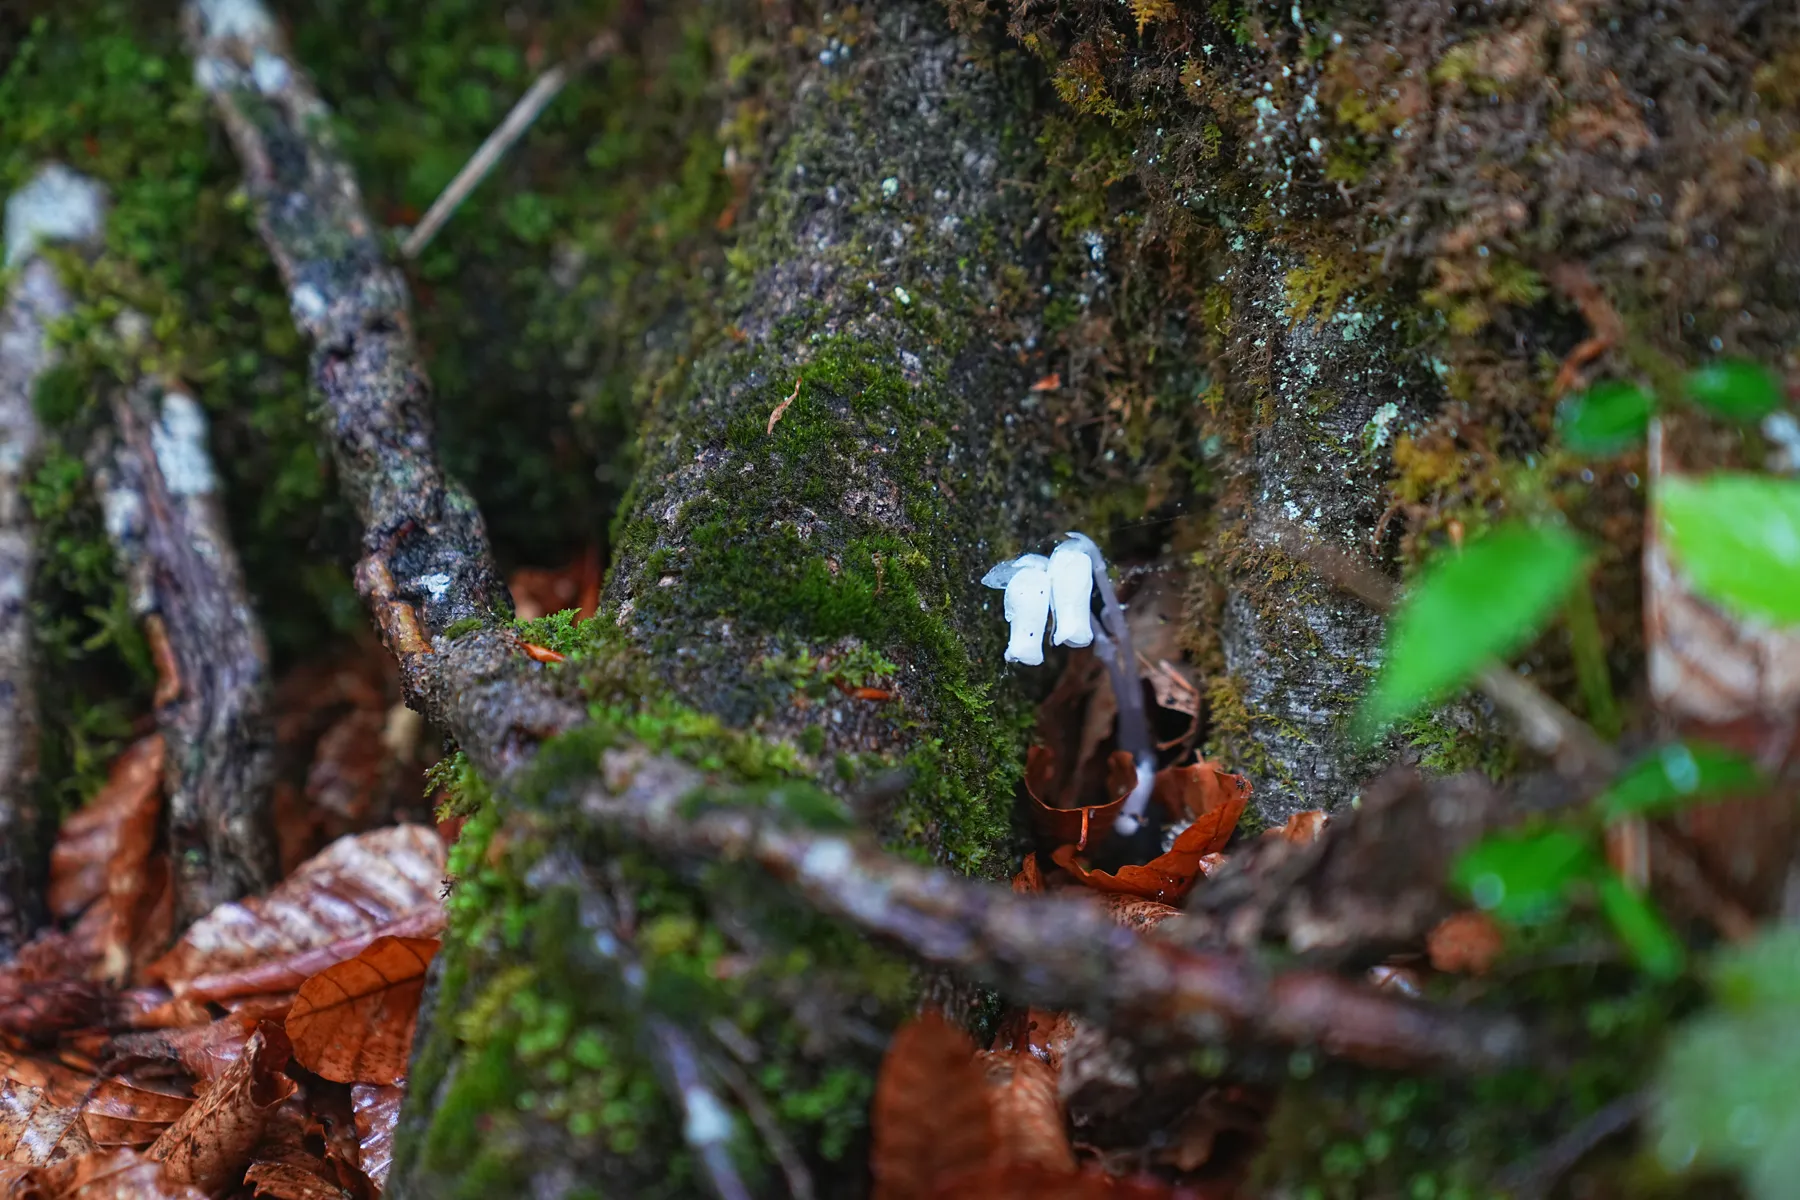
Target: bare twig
426, 570
1543, 724
55, 205
523, 113
1538, 1176
1051, 951
168, 529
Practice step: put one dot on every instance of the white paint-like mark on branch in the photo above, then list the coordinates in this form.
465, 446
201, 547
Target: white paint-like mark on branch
436, 585
55, 205
244, 19
178, 440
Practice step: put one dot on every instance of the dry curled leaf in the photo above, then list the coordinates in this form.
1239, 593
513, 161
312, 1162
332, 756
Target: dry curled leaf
1076, 826
353, 1022
287, 1164
377, 1114
356, 889
203, 1051
1215, 800
931, 1116
1303, 828
210, 1145
89, 843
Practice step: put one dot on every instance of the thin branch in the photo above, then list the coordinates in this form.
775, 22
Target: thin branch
56, 205
426, 571
167, 526
523, 113
1051, 951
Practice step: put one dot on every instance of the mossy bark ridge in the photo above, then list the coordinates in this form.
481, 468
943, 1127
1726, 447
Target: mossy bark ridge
159, 490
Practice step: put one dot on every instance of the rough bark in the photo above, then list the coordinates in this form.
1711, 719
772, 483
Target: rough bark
1327, 396
35, 300
163, 514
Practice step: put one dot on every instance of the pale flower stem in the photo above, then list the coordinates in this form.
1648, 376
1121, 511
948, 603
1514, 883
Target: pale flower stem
1112, 642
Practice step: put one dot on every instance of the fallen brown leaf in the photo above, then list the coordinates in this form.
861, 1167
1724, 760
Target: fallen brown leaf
377, 1115
1302, 829
117, 1109
353, 1022
120, 1174
543, 654
1028, 1114
538, 591
353, 891
204, 1051
36, 1130
932, 1117
286, 1164
90, 840
780, 410
210, 1145
1215, 799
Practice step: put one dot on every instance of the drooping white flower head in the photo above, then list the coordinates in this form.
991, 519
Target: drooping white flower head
1071, 593
1026, 580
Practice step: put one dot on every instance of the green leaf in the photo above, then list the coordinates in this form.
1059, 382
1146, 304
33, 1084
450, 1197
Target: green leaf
1484, 603
1762, 971
1725, 1094
1675, 776
1607, 418
1742, 391
1652, 943
1738, 538
1525, 878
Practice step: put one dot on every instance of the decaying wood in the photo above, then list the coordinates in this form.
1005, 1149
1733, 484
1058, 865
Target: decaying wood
167, 525
34, 302
426, 568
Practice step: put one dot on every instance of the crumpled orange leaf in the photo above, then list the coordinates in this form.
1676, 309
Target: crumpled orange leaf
538, 591
1214, 798
932, 1117
210, 1145
1030, 877
119, 1174
353, 1022
1024, 1181
355, 890
36, 1130
1076, 826
117, 1110
377, 1114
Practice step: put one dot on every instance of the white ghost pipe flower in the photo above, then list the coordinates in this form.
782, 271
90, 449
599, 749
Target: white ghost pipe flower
1026, 580
1071, 593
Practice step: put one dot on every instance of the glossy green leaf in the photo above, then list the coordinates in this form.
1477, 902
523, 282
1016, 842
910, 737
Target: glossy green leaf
1675, 776
1525, 877
1607, 418
1484, 603
1742, 391
1737, 536
1634, 919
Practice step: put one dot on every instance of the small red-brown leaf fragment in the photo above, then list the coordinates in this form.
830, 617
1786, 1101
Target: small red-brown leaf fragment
931, 1117
1138, 914
543, 654
1030, 877
539, 591
1465, 943
211, 1144
36, 1130
1199, 791
1302, 829
353, 1022
1048, 383
353, 891
121, 1174
377, 1115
